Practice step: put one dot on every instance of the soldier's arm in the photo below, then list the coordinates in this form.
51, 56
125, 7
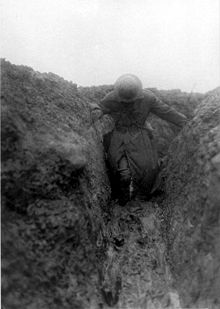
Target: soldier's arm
104, 107
166, 112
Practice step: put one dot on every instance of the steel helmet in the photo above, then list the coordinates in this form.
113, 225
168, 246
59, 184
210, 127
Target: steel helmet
128, 87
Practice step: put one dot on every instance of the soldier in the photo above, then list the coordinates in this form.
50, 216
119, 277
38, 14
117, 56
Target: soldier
131, 153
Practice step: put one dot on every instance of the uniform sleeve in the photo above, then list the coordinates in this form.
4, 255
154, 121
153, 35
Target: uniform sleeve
94, 106
166, 112
107, 105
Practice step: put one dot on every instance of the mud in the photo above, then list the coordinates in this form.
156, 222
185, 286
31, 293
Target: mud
135, 273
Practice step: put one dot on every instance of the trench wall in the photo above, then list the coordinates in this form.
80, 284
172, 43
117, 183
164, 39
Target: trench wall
192, 206
54, 189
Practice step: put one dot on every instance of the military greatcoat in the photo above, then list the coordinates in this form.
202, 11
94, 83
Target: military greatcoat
131, 137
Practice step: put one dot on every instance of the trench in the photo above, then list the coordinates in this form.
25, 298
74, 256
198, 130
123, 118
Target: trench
135, 272
63, 246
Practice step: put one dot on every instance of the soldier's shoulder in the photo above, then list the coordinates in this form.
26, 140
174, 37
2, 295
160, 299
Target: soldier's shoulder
148, 94
110, 102
110, 97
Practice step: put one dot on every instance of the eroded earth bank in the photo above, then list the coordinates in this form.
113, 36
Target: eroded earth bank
65, 243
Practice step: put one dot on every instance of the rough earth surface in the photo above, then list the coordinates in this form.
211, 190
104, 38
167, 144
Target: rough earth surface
53, 190
135, 270
192, 205
65, 244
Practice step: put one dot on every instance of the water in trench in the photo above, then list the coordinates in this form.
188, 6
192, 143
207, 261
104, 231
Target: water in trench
135, 273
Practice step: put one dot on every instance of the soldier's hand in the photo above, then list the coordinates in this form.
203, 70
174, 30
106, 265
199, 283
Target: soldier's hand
96, 114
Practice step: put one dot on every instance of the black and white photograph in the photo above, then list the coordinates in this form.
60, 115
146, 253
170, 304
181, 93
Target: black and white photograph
110, 154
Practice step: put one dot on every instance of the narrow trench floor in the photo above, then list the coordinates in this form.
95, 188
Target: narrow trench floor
135, 273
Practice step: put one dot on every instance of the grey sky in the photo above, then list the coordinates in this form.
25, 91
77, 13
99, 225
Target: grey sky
167, 43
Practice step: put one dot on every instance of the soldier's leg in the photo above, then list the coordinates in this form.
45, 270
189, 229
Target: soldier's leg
125, 179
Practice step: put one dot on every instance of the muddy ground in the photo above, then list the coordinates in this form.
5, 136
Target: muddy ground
136, 273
